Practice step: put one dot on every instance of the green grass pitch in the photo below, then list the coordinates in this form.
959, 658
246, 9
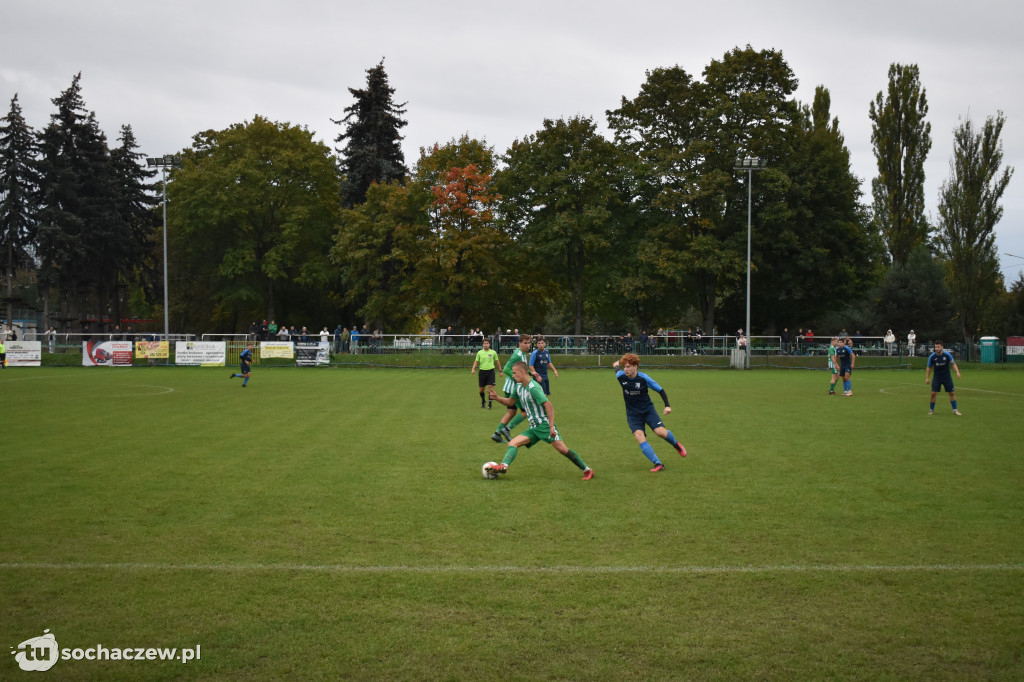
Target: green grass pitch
333, 524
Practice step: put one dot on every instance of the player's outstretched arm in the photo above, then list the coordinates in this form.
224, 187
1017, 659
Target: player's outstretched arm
551, 366
507, 402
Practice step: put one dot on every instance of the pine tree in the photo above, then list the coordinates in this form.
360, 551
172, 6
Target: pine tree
373, 151
18, 183
80, 245
134, 200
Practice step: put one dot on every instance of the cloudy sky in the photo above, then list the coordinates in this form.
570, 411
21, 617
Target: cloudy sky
495, 71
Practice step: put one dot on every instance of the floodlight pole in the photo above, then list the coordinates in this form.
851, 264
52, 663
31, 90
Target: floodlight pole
748, 164
163, 163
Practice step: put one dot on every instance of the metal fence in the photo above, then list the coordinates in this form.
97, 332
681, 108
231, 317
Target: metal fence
449, 350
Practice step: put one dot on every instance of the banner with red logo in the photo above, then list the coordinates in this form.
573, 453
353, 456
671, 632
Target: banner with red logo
107, 353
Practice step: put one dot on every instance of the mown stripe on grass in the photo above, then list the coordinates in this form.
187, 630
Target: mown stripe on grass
341, 568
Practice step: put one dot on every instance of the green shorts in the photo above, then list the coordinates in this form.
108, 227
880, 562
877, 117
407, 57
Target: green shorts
540, 433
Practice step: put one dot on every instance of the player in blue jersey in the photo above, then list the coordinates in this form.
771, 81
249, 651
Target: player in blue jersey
244, 365
640, 412
540, 360
941, 361
846, 360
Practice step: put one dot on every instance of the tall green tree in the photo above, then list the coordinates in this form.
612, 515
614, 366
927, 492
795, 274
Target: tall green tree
252, 213
969, 210
377, 249
688, 133
560, 201
814, 245
133, 222
902, 139
372, 151
18, 184
79, 235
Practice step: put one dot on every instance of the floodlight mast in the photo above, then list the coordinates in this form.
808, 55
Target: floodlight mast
163, 163
749, 164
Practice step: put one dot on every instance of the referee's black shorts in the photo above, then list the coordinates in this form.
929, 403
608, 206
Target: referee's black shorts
486, 377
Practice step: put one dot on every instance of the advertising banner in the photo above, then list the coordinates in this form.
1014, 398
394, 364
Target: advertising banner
277, 349
203, 353
312, 354
107, 353
152, 350
24, 353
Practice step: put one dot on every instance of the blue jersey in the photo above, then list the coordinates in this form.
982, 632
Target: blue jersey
634, 391
845, 356
539, 360
245, 358
941, 362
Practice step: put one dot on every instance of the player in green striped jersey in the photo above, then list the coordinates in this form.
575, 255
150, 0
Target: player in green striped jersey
833, 365
511, 419
530, 397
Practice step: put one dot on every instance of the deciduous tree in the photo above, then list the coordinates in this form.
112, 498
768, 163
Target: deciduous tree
902, 140
252, 212
969, 210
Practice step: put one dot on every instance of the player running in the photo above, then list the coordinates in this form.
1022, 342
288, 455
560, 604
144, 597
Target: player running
510, 419
941, 360
640, 412
486, 359
529, 396
244, 363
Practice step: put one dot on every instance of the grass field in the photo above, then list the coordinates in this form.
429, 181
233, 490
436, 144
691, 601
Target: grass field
333, 524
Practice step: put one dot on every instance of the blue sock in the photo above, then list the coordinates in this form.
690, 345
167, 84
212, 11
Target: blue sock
931, 406
953, 403
648, 451
671, 439
245, 381
846, 385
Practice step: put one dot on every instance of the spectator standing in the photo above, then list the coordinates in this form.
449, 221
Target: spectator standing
890, 342
911, 343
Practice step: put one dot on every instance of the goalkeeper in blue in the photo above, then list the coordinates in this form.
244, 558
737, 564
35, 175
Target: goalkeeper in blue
640, 412
244, 365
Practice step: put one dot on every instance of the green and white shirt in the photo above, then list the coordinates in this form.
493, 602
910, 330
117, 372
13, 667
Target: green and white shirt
510, 386
531, 400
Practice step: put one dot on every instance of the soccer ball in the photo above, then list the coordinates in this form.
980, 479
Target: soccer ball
486, 470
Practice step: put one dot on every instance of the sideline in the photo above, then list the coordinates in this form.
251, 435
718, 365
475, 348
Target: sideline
401, 568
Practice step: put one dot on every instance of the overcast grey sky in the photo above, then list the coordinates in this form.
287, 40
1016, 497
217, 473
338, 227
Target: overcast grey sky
495, 71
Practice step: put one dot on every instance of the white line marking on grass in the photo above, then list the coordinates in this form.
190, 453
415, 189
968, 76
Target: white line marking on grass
888, 390
341, 568
163, 390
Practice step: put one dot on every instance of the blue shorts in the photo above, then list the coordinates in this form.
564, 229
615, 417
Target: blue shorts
244, 368
546, 385
946, 383
637, 420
